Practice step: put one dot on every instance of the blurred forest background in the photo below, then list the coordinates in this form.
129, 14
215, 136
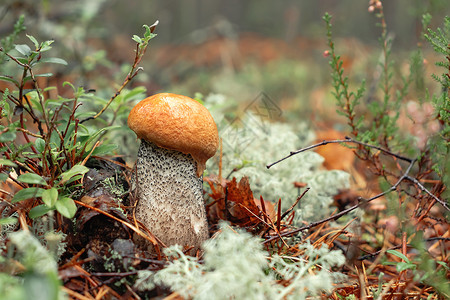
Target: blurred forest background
198, 39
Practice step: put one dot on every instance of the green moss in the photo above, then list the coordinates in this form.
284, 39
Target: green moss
113, 187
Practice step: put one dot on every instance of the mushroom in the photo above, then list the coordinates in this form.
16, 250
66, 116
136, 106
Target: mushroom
178, 135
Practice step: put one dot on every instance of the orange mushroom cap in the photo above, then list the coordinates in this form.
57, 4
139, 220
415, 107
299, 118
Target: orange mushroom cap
178, 123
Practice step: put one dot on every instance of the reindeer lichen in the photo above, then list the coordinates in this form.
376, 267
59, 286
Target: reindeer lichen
236, 267
250, 143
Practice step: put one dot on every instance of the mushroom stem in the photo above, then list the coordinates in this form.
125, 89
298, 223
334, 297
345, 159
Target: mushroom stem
170, 196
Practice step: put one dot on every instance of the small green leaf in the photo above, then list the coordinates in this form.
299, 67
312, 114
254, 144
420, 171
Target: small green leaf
7, 136
148, 35
44, 75
66, 207
35, 42
39, 211
38, 75
74, 178
93, 136
65, 83
31, 178
8, 221
147, 30
137, 39
23, 49
104, 149
402, 266
45, 46
398, 254
53, 60
7, 162
27, 193
39, 144
136, 92
22, 60
9, 79
50, 196
77, 169
443, 264
51, 88
3, 177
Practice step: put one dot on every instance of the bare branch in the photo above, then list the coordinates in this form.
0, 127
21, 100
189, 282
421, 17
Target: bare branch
424, 189
362, 201
346, 140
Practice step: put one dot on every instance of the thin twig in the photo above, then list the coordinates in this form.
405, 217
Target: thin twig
30, 133
115, 274
346, 140
346, 211
149, 238
424, 189
74, 294
129, 77
295, 203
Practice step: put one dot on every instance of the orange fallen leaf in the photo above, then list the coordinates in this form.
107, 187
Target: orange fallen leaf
233, 202
337, 157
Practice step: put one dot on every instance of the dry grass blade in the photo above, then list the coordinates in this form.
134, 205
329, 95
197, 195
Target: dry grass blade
76, 295
152, 239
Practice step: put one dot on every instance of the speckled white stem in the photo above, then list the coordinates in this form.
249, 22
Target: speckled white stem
170, 196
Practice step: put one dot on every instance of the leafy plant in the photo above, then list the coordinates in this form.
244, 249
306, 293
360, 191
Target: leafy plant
8, 42
382, 129
381, 132
381, 144
45, 144
424, 269
440, 144
44, 141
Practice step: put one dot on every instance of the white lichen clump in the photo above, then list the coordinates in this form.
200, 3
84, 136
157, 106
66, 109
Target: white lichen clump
236, 267
251, 142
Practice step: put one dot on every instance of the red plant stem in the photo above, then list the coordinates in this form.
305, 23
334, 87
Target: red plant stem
402, 275
448, 74
133, 72
26, 67
279, 216
27, 139
74, 142
404, 244
263, 207
6, 151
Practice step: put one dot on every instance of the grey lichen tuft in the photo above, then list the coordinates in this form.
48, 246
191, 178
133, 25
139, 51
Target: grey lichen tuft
235, 266
170, 196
